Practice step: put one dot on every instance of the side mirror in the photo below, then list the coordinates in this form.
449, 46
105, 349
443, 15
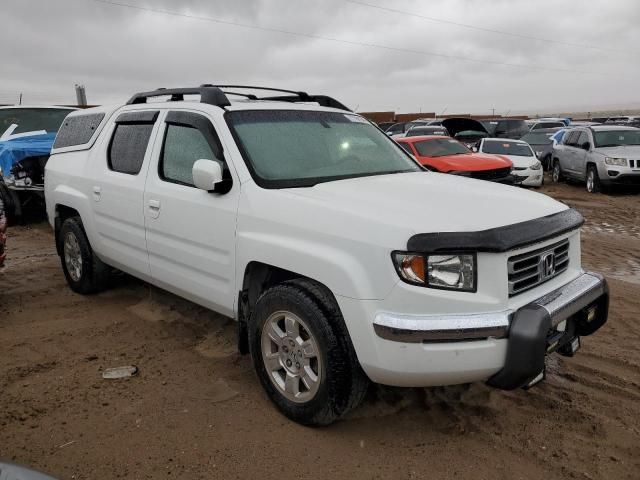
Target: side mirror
206, 174
586, 146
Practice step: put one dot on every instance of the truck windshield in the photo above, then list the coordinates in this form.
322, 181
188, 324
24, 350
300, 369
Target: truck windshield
290, 148
616, 138
507, 148
32, 119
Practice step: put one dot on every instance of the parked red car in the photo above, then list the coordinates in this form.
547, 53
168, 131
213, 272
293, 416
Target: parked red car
447, 155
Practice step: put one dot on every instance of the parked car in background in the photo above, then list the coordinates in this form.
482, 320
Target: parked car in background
599, 119
384, 125
26, 137
542, 143
543, 125
602, 156
427, 130
527, 169
466, 130
564, 120
505, 127
447, 155
341, 258
622, 120
396, 129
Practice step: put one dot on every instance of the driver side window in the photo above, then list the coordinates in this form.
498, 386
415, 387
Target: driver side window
182, 147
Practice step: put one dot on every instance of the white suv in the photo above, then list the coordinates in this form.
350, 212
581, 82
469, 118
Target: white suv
340, 257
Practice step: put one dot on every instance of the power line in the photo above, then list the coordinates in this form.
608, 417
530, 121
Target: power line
478, 28
339, 40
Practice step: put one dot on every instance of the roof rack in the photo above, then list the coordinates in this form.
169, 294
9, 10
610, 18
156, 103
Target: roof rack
210, 95
215, 95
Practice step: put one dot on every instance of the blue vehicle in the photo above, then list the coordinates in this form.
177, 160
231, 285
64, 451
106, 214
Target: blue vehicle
26, 137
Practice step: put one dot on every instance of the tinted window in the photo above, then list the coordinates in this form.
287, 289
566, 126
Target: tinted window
78, 130
440, 147
406, 147
396, 128
613, 138
507, 148
182, 147
286, 148
571, 138
128, 146
582, 138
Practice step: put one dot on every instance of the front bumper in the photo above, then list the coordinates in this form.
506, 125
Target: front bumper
623, 178
526, 335
529, 177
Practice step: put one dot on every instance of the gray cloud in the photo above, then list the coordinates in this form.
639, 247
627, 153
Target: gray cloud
115, 51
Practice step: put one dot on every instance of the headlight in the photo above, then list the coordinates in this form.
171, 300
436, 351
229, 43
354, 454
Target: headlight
536, 166
444, 271
618, 162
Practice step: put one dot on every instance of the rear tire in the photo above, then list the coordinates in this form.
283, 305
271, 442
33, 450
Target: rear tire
84, 271
593, 180
556, 172
303, 355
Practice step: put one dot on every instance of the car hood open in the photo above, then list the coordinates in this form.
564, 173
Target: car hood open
460, 124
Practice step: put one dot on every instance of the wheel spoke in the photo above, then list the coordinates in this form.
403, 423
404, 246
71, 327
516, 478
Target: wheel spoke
309, 378
292, 384
275, 334
309, 349
293, 329
272, 362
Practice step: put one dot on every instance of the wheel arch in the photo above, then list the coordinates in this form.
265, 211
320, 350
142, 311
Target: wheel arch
258, 277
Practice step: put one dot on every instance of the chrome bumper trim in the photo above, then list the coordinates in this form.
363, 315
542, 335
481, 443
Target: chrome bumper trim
438, 328
572, 297
560, 304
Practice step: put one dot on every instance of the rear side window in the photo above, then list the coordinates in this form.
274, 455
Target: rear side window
77, 130
183, 145
130, 140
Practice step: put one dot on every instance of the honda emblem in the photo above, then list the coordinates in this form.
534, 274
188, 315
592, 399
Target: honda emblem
547, 264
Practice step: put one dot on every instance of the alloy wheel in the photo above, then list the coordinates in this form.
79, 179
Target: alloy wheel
73, 256
291, 356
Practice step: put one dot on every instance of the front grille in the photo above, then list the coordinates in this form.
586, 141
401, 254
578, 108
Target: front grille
491, 174
528, 270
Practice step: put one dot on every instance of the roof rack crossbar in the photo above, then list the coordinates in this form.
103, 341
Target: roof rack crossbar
293, 96
214, 95
209, 95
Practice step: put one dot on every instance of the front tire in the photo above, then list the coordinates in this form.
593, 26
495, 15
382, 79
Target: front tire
303, 355
593, 180
84, 271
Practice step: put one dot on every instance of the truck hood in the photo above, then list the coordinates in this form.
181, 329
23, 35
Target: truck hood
472, 162
628, 151
419, 202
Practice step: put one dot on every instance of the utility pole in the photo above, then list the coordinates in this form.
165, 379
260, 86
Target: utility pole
20, 99
493, 112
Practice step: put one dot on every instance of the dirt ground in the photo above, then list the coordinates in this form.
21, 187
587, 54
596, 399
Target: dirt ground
196, 409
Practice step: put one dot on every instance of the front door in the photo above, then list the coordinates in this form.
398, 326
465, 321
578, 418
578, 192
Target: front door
190, 232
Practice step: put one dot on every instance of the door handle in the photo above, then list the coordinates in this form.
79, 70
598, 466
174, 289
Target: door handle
97, 191
154, 208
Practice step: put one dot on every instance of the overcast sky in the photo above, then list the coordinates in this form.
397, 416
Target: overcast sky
589, 61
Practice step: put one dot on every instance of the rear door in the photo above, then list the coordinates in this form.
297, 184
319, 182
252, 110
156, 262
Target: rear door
190, 232
117, 190
566, 152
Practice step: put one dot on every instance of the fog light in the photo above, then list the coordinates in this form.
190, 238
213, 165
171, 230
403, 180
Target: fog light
591, 314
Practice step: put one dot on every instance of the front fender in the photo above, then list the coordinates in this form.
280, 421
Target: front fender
365, 274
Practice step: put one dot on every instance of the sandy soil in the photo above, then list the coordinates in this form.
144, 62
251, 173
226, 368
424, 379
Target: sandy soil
196, 409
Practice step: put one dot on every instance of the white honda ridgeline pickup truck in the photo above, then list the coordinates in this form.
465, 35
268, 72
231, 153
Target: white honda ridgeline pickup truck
341, 258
